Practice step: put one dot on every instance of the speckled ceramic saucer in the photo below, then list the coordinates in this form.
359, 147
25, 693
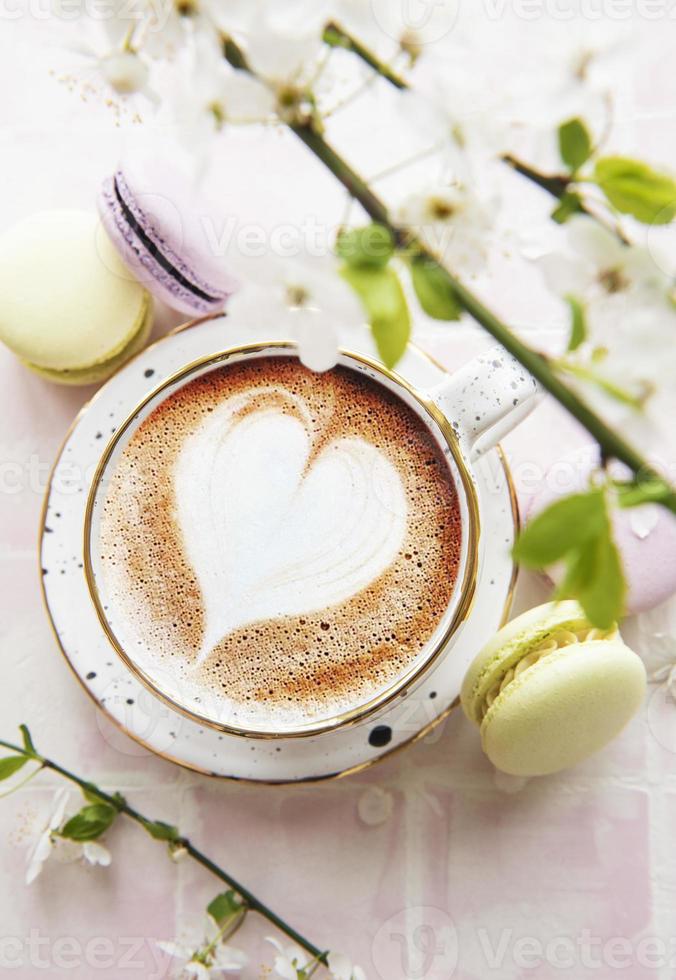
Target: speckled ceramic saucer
139, 713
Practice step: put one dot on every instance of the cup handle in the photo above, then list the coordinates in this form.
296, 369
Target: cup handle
486, 399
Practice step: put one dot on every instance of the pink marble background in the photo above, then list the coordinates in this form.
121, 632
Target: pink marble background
471, 876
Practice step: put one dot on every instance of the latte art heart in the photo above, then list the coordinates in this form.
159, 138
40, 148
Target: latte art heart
271, 530
277, 546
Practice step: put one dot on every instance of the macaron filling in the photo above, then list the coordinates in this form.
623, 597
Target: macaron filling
543, 647
130, 223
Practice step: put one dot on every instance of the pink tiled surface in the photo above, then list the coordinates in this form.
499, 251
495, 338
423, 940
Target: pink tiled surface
471, 877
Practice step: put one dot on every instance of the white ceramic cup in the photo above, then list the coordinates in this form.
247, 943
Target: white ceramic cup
466, 415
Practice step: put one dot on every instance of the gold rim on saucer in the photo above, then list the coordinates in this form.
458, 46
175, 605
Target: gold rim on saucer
463, 598
193, 767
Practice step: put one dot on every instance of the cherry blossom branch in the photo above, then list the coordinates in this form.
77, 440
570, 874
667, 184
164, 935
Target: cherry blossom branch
337, 37
558, 185
555, 184
176, 841
611, 444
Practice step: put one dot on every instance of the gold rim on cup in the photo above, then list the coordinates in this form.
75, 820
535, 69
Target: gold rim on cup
410, 678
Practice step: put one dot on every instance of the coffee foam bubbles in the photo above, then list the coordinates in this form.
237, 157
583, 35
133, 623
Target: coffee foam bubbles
283, 543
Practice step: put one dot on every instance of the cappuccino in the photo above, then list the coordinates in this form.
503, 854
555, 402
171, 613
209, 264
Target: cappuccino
280, 543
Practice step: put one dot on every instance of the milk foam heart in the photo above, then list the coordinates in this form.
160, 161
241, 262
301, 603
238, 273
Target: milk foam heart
277, 546
271, 531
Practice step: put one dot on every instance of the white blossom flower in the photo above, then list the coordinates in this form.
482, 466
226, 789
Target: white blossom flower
630, 318
282, 44
204, 955
41, 835
466, 137
168, 25
94, 853
284, 41
452, 221
105, 50
341, 968
45, 836
596, 266
289, 959
303, 299
217, 95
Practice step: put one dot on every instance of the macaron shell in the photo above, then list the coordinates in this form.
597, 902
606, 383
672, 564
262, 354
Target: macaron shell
168, 234
564, 708
143, 266
69, 302
513, 640
93, 375
645, 536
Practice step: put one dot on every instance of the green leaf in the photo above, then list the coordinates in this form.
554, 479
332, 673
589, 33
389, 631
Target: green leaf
434, 291
161, 831
563, 526
575, 145
91, 822
224, 907
595, 578
639, 492
372, 245
93, 797
635, 188
27, 740
569, 204
11, 764
635, 399
385, 304
578, 322
577, 530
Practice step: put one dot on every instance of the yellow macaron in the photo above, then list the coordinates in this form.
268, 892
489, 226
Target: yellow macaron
549, 690
70, 309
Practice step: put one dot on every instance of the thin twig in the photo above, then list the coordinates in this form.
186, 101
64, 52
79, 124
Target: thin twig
253, 903
396, 168
337, 37
558, 185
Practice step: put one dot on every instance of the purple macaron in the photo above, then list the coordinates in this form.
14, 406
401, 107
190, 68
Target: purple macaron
167, 234
645, 535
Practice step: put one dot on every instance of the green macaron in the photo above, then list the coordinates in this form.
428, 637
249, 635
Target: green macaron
70, 309
549, 690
